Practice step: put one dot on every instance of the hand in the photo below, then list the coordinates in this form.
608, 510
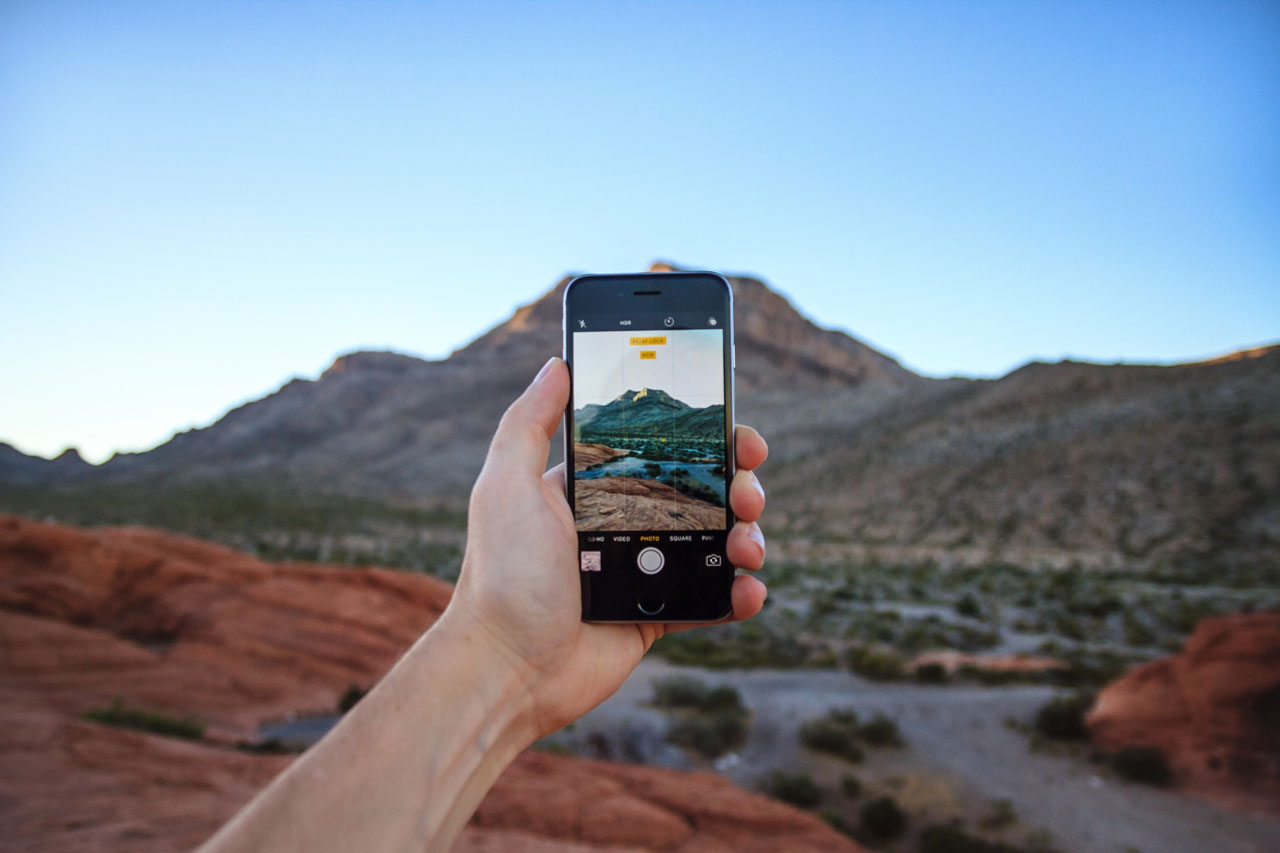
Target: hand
519, 584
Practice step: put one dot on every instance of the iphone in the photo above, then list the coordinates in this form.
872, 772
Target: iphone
649, 444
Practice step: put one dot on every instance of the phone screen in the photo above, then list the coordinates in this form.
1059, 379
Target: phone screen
649, 446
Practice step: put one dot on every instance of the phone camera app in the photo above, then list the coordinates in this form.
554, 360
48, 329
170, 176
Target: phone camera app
713, 559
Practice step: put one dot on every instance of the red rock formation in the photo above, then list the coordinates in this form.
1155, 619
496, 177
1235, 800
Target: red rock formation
1214, 710
174, 624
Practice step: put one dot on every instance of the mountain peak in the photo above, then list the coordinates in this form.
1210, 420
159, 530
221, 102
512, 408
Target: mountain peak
69, 457
779, 349
635, 396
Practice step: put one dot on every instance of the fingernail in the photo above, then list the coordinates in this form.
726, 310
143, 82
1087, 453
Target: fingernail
755, 481
543, 371
756, 535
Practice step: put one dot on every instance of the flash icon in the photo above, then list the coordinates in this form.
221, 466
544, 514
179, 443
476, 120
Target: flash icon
582, 324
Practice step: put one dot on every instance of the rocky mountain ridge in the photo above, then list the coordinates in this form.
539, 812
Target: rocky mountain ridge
648, 406
1054, 464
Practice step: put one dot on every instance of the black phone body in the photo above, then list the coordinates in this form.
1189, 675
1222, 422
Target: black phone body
649, 444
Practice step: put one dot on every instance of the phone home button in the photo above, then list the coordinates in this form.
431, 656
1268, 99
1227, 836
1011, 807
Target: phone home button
650, 561
651, 602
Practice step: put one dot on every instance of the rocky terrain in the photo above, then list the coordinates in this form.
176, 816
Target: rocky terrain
210, 638
1213, 710
1053, 465
646, 505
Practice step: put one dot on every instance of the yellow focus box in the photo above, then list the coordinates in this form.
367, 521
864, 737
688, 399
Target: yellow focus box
648, 353
654, 341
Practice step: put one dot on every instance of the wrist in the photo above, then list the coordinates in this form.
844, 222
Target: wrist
491, 673
481, 710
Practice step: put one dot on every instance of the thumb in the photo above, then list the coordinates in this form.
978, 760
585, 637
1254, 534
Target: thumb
524, 434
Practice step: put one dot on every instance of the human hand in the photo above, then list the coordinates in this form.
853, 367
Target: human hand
519, 584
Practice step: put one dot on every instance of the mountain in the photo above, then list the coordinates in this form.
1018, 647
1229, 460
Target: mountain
654, 408
391, 425
1058, 464
1055, 464
18, 468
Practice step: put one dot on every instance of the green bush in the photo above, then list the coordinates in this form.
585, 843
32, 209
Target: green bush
798, 789
880, 731
679, 692
968, 606
851, 786
948, 839
931, 673
1062, 718
836, 733
836, 821
883, 819
876, 664
684, 692
709, 734
155, 722
724, 698
1143, 764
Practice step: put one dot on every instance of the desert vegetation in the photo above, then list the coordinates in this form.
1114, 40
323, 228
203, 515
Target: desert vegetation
145, 720
709, 721
875, 619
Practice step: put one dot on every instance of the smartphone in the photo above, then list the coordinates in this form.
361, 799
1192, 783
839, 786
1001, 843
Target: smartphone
649, 444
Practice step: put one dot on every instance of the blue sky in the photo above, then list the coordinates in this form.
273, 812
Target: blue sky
199, 200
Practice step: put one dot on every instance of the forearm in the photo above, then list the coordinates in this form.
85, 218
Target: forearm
409, 764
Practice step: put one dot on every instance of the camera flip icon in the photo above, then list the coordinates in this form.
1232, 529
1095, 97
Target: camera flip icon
713, 559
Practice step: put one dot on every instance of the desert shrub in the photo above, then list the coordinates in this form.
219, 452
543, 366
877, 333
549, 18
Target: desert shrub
824, 658
882, 818
1062, 718
349, 699
968, 606
155, 722
723, 698
798, 789
836, 821
949, 839
709, 734
931, 673
851, 786
679, 692
1143, 764
880, 731
876, 664
836, 733
1001, 816
684, 692
742, 645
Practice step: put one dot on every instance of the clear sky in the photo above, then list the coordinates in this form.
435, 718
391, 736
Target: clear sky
200, 200
686, 363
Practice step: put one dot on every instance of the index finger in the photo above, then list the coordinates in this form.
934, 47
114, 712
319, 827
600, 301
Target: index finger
749, 447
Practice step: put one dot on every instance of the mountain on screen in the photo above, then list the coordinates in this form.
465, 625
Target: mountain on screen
649, 410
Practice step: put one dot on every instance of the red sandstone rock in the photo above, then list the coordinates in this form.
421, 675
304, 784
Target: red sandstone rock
174, 624
1214, 710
